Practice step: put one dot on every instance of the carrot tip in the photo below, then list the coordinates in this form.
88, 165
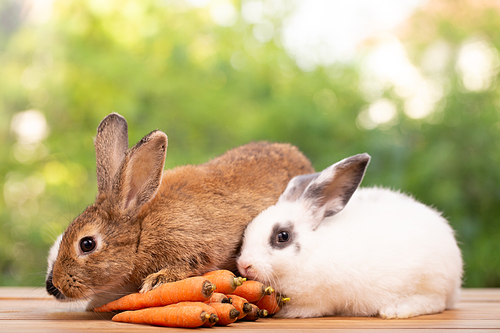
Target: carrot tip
263, 313
285, 300
239, 281
234, 314
247, 308
213, 318
269, 290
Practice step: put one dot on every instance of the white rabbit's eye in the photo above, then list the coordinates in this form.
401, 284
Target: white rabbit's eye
283, 237
87, 244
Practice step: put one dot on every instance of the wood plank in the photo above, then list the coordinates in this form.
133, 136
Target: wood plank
30, 310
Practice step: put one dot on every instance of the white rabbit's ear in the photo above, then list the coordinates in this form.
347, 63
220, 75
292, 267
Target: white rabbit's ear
111, 144
329, 192
140, 173
296, 186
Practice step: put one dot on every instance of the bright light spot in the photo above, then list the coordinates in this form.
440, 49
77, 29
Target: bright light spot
478, 64
55, 172
263, 32
364, 121
389, 63
40, 11
423, 100
223, 13
382, 111
436, 57
321, 32
252, 11
198, 3
388, 66
277, 8
19, 190
29, 126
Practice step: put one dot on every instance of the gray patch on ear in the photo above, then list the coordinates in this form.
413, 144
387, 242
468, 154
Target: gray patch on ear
316, 191
297, 186
329, 213
280, 227
346, 177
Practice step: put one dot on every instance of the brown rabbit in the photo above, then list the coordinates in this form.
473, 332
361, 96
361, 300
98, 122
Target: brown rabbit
149, 226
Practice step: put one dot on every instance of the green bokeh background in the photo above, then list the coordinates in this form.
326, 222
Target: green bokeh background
164, 65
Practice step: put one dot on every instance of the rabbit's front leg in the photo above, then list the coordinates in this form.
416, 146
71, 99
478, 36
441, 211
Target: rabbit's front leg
165, 275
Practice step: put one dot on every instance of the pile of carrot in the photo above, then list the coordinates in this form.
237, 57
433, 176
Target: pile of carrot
216, 298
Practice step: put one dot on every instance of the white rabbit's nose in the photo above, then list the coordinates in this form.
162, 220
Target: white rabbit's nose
245, 268
249, 272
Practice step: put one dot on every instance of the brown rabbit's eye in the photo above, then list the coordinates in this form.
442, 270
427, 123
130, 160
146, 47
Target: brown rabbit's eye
283, 237
87, 244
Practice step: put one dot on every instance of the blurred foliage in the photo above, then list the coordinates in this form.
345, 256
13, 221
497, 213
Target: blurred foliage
167, 65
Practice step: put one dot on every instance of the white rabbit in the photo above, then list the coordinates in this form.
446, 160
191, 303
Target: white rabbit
383, 254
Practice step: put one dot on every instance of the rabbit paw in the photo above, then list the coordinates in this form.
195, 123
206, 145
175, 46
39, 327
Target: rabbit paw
165, 275
415, 305
155, 280
395, 313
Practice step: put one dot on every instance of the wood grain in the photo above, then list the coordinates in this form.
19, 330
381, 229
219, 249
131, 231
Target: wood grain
31, 310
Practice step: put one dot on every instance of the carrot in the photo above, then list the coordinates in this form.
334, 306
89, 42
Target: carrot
272, 303
252, 290
226, 312
240, 304
218, 298
225, 280
185, 314
211, 321
256, 313
190, 289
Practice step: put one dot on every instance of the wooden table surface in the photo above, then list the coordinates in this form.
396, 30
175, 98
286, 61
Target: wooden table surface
31, 310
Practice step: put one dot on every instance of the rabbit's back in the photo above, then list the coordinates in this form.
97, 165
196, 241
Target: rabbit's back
387, 244
200, 212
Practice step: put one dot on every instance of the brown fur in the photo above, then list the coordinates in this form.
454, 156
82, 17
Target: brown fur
149, 233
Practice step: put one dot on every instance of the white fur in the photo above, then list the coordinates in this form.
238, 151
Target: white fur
384, 254
54, 250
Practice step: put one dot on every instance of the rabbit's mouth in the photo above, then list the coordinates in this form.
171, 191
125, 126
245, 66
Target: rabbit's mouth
52, 290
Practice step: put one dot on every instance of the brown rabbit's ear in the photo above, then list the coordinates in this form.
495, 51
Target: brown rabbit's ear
111, 144
140, 173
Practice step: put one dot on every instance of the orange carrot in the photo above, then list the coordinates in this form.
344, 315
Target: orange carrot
226, 312
218, 298
252, 290
185, 314
225, 280
240, 304
212, 319
256, 313
191, 289
272, 303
